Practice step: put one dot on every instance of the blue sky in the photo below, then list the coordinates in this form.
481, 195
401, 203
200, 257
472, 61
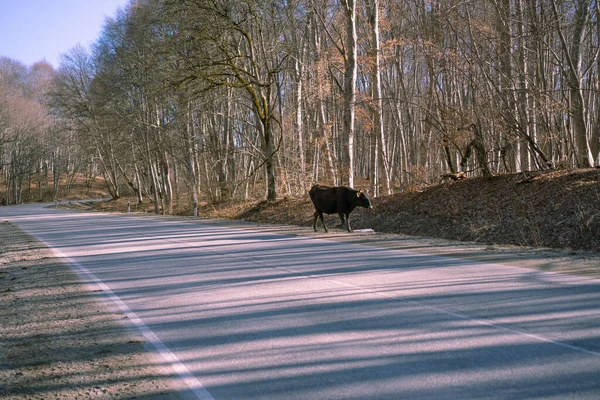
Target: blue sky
34, 30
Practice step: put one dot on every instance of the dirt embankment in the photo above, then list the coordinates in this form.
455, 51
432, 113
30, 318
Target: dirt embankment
552, 209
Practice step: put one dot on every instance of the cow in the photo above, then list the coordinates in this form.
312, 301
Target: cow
336, 200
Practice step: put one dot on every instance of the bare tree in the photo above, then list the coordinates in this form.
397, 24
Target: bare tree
350, 73
237, 47
573, 56
377, 95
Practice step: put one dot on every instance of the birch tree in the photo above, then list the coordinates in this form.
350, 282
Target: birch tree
350, 74
379, 128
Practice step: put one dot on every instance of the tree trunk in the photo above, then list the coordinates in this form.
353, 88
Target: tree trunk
331, 162
166, 178
270, 162
192, 161
377, 94
350, 87
298, 76
573, 57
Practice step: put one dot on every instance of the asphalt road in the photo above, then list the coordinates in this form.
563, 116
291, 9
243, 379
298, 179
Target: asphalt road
244, 314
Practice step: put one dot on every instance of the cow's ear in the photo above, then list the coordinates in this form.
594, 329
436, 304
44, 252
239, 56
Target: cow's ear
358, 193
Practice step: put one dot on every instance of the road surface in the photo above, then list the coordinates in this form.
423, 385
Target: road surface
244, 314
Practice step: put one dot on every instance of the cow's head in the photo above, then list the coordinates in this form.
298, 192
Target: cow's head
363, 199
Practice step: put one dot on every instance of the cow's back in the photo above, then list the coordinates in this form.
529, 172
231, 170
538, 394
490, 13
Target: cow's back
325, 198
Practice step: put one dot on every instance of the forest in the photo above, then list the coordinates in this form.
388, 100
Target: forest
187, 101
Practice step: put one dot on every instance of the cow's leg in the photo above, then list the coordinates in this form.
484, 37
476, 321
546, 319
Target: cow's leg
342, 219
348, 222
319, 215
323, 222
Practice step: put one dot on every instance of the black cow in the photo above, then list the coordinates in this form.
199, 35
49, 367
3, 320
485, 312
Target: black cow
338, 199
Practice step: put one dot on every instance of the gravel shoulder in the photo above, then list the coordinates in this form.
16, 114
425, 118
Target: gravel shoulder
58, 339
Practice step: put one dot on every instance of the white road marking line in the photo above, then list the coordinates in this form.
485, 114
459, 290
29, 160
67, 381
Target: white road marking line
184, 374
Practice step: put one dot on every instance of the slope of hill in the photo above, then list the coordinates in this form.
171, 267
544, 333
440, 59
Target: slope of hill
559, 209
